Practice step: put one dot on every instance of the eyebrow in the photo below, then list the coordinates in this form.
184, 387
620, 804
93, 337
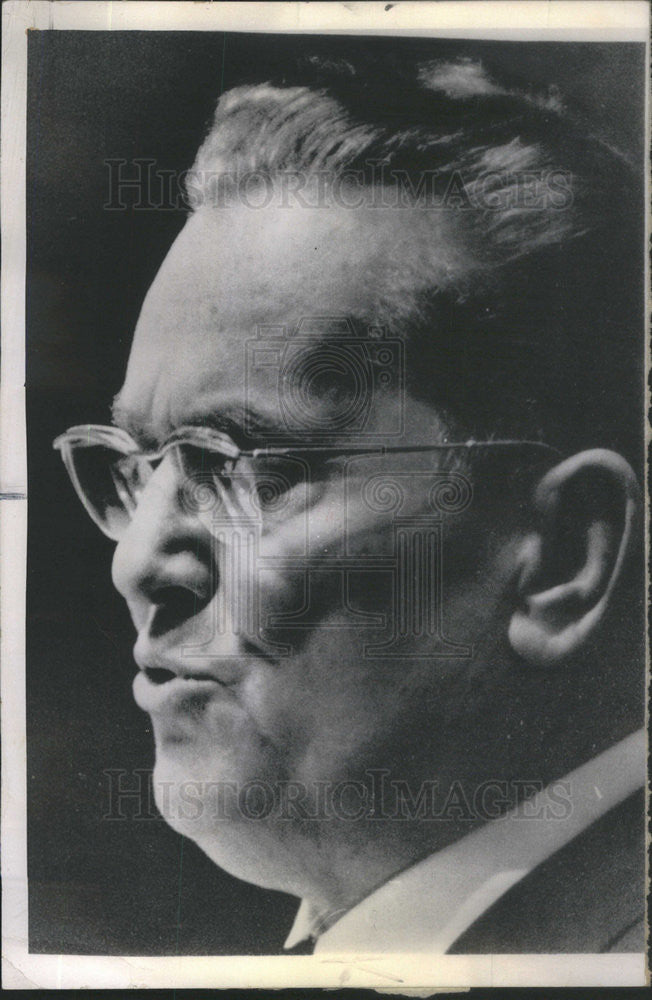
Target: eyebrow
246, 427
130, 421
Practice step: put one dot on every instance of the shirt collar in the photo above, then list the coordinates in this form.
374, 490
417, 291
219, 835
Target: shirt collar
428, 906
310, 922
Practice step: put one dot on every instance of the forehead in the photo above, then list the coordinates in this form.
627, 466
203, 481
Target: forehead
233, 270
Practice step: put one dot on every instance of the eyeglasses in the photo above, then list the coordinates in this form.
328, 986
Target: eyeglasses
109, 471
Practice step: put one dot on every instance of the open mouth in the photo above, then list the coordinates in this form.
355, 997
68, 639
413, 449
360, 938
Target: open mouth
158, 675
160, 691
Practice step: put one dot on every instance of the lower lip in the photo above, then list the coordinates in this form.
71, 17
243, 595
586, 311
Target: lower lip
180, 693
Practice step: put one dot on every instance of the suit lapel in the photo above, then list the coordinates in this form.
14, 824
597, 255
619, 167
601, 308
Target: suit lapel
588, 897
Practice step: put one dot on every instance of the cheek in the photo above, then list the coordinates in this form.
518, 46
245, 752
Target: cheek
325, 706
327, 709
334, 563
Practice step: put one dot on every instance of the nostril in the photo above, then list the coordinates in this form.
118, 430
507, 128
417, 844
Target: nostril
174, 605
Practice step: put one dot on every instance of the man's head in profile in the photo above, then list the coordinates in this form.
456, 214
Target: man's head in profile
386, 523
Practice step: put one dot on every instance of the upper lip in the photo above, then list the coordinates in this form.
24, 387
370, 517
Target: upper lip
148, 658
209, 668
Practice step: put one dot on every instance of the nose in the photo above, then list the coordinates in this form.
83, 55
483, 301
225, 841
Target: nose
164, 565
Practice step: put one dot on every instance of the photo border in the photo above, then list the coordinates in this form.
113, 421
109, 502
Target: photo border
582, 20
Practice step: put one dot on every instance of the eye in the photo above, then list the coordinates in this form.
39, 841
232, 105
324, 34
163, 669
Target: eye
204, 462
207, 478
280, 484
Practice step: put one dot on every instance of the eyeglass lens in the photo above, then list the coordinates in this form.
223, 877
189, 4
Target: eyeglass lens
111, 481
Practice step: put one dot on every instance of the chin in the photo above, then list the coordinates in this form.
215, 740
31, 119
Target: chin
253, 846
191, 792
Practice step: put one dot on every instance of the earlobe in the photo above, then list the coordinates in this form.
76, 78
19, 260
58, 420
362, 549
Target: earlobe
569, 567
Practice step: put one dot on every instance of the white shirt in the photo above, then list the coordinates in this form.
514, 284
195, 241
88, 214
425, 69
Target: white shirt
428, 906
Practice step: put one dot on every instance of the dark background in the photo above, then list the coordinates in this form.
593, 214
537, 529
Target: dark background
100, 886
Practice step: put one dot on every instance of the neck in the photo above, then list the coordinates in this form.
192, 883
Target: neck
350, 861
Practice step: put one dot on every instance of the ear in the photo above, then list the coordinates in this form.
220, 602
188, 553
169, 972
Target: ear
587, 509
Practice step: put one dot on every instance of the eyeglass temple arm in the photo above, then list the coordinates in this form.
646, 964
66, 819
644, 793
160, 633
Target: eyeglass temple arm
409, 449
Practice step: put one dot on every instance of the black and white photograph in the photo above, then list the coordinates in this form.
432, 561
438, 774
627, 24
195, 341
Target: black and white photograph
323, 495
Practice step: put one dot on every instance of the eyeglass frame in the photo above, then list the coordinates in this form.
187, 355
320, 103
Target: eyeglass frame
209, 437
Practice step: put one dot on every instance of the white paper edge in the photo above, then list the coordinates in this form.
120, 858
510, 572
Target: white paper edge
571, 20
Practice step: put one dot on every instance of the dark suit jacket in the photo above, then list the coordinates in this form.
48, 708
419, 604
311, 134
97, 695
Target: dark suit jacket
588, 897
